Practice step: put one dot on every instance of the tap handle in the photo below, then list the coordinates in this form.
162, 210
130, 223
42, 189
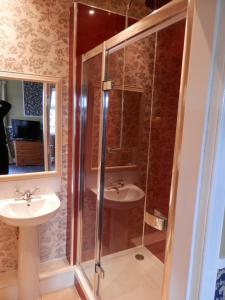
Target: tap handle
36, 190
18, 193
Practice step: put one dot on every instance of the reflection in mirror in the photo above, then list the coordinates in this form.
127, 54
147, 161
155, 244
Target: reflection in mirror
124, 111
27, 127
49, 128
122, 130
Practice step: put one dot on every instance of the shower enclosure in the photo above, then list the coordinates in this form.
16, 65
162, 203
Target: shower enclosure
129, 107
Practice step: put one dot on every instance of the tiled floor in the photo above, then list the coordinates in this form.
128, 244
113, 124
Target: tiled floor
66, 294
127, 278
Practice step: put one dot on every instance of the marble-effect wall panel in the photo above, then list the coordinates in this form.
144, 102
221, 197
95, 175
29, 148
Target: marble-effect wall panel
168, 63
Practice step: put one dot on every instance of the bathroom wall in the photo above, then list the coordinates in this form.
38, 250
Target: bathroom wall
34, 38
168, 62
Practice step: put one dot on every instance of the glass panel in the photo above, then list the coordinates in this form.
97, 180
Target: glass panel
89, 175
139, 153
163, 121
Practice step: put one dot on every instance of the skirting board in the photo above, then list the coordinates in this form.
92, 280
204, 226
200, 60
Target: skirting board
50, 281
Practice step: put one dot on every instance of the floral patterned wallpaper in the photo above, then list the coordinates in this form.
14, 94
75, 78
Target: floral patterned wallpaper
36, 32
34, 38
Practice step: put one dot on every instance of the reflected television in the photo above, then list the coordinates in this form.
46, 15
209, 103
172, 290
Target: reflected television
26, 130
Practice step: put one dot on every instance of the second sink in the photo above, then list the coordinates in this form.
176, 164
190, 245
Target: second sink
127, 193
124, 197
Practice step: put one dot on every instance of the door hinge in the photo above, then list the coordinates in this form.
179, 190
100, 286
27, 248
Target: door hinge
99, 270
107, 85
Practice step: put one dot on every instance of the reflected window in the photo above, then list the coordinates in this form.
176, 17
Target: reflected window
52, 112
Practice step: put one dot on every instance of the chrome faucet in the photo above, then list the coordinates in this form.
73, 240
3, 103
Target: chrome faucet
27, 195
115, 185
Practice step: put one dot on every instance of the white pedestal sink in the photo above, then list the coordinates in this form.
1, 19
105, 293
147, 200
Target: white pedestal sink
27, 218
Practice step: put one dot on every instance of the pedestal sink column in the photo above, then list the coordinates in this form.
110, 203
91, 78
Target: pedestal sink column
28, 218
28, 263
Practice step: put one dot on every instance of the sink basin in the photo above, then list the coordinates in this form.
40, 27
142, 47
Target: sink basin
18, 213
126, 196
27, 218
128, 193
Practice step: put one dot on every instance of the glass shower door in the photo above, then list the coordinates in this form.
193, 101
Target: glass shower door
89, 164
130, 68
143, 80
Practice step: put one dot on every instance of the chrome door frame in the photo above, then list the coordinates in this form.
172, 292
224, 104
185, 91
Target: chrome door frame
83, 117
100, 169
101, 174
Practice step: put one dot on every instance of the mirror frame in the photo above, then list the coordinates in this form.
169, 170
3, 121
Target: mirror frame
5, 75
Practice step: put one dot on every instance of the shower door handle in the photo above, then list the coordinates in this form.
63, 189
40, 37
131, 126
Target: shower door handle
156, 220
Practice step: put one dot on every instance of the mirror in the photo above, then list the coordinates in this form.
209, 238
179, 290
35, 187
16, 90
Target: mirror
28, 126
